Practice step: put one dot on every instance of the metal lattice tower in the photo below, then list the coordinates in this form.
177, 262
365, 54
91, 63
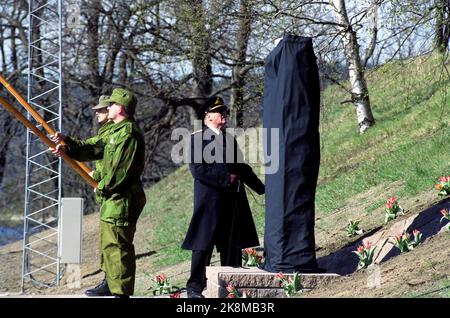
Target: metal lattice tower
41, 265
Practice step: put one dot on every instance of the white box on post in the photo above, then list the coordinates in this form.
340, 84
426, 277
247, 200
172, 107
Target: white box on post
70, 233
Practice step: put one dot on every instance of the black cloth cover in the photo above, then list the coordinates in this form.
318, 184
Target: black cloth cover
291, 104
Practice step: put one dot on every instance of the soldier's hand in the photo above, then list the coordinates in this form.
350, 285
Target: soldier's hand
58, 137
233, 179
58, 149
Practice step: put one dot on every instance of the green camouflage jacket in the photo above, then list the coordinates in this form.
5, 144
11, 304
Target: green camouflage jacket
119, 186
73, 143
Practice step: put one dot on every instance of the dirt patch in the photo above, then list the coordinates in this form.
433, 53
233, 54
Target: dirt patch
11, 258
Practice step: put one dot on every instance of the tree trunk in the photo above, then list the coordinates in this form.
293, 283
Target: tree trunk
201, 55
7, 135
122, 73
238, 76
93, 43
360, 93
2, 49
442, 26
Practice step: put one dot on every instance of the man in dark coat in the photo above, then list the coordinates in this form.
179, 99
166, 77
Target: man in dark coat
222, 215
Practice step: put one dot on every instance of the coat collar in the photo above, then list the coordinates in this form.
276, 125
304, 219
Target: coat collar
117, 126
215, 130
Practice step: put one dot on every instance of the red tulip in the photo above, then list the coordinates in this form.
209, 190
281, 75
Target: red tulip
230, 288
392, 200
250, 251
175, 295
280, 275
360, 249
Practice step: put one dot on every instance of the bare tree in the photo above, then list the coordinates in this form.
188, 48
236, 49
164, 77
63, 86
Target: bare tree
240, 68
360, 93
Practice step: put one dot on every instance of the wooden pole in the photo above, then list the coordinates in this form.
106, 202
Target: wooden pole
36, 116
47, 141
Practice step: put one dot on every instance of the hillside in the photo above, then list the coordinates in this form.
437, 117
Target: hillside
403, 155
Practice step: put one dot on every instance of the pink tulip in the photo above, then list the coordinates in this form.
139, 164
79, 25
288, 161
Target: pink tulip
175, 295
160, 279
416, 232
230, 288
250, 251
368, 245
360, 249
444, 212
280, 275
392, 200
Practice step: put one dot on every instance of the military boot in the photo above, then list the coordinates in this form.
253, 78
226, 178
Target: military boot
100, 290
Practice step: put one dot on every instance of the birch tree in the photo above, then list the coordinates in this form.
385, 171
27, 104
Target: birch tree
359, 91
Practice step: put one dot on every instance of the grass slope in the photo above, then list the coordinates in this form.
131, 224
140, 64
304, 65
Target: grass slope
408, 145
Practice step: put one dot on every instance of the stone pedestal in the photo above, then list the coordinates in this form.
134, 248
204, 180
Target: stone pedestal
256, 283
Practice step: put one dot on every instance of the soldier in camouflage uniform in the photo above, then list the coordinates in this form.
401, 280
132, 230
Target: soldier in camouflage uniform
120, 189
101, 113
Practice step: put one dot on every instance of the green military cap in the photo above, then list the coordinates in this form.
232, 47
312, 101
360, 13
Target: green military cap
102, 103
123, 98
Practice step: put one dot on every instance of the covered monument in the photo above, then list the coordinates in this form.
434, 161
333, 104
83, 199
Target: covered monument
291, 105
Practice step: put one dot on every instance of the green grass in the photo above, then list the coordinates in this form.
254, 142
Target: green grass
411, 105
438, 289
409, 143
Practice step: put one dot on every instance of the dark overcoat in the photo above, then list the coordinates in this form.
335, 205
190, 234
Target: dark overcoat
221, 211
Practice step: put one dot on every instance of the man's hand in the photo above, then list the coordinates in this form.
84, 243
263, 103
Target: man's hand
233, 179
58, 149
58, 137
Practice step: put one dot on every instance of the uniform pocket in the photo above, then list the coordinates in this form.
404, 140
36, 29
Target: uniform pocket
115, 209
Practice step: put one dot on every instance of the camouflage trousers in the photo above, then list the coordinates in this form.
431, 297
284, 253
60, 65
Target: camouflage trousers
117, 258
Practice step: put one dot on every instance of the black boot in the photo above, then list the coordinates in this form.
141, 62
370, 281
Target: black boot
194, 294
100, 290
